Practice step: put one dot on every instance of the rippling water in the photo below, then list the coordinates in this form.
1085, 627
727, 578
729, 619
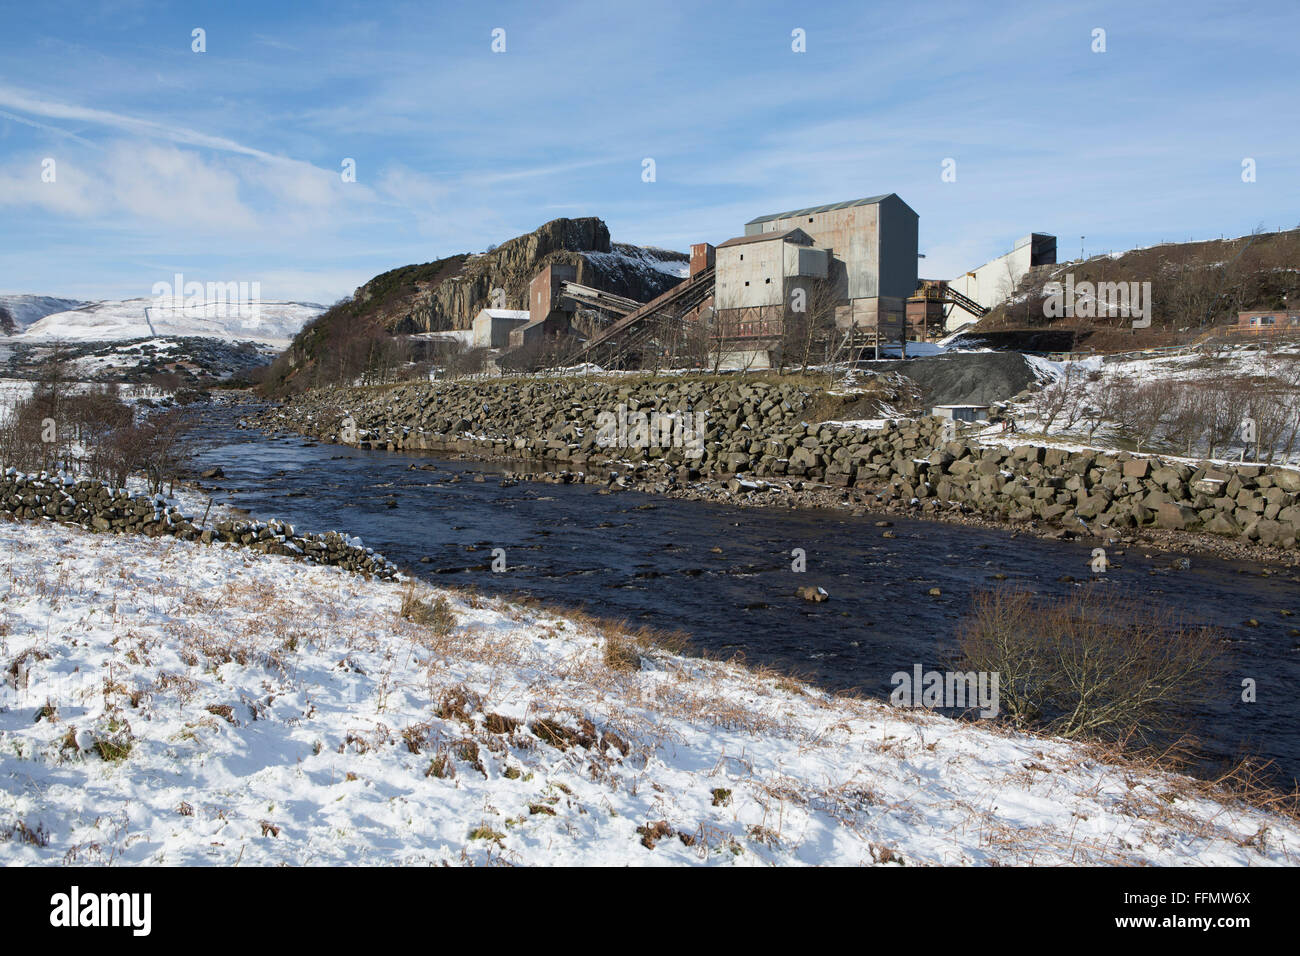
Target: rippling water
723, 574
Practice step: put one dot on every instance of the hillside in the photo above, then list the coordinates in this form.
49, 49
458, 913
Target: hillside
446, 295
1194, 285
17, 312
274, 323
236, 708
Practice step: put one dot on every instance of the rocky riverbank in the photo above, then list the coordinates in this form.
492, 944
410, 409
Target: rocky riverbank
96, 506
754, 441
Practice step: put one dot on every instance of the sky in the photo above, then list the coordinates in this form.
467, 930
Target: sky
991, 120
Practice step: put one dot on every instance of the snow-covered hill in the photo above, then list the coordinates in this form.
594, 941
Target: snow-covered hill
642, 259
166, 702
23, 310
274, 323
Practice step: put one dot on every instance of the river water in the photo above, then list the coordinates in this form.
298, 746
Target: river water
723, 574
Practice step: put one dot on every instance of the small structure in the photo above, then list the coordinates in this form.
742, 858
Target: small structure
492, 327
963, 413
555, 325
702, 257
1273, 320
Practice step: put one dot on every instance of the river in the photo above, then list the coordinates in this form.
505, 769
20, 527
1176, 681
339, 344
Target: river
723, 574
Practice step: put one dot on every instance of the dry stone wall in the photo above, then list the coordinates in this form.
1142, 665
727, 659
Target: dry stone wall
760, 430
98, 507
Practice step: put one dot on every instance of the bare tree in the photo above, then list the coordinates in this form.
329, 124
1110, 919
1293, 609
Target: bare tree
1153, 402
809, 326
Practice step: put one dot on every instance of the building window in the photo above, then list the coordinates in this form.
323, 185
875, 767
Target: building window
767, 281
747, 283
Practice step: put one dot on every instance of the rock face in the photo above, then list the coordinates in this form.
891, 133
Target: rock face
447, 294
452, 301
98, 507
699, 427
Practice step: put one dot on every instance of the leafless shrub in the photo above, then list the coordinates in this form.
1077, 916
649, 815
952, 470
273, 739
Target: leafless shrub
1090, 666
20, 831
1062, 400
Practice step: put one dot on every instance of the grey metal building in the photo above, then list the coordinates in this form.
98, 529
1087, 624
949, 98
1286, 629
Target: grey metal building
876, 240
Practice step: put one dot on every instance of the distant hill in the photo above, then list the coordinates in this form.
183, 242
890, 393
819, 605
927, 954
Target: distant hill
1193, 284
17, 312
272, 323
446, 294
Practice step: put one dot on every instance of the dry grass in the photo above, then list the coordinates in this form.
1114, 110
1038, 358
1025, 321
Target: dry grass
24, 834
436, 614
590, 695
622, 653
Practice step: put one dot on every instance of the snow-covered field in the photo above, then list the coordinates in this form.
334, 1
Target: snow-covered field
274, 323
166, 702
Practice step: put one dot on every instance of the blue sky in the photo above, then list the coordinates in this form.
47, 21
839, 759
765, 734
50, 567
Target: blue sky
225, 165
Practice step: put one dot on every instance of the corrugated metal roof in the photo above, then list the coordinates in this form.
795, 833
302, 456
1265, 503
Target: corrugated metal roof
788, 236
868, 201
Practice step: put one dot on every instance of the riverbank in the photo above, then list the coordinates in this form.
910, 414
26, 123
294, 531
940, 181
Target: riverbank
98, 506
168, 703
760, 444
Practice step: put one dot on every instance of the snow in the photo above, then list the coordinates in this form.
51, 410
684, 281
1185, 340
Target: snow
463, 336
641, 259
273, 323
1244, 362
15, 391
27, 309
865, 424
282, 712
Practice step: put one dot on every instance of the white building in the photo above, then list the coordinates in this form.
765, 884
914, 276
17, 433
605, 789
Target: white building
492, 327
995, 281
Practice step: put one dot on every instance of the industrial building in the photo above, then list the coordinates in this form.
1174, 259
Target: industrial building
876, 240
857, 258
755, 275
492, 327
864, 249
996, 280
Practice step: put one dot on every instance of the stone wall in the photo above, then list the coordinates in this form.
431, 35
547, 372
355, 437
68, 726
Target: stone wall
758, 430
98, 507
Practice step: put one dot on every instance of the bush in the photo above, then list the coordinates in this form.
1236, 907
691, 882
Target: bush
1090, 666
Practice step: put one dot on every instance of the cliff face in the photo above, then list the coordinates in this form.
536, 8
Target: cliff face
448, 294
443, 301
